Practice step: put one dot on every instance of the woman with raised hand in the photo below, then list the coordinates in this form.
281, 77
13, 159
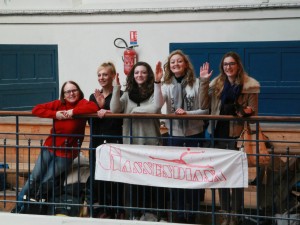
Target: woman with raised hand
105, 130
232, 92
180, 92
140, 96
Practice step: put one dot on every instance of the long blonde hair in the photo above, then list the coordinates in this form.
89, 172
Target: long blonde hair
189, 71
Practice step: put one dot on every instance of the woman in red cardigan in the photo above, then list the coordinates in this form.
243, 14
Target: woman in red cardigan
57, 154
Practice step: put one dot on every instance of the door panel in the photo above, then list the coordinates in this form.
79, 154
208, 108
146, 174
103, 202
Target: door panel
276, 65
28, 75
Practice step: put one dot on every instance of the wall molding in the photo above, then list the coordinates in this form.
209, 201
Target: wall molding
95, 10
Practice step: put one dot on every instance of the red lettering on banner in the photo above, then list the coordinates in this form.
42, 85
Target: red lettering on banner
127, 167
115, 158
198, 176
188, 174
211, 176
185, 172
158, 169
179, 173
167, 171
148, 168
137, 167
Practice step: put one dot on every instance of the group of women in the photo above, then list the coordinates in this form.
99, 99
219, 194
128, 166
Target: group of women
232, 92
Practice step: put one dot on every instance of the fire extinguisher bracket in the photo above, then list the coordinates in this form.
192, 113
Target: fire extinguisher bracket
129, 57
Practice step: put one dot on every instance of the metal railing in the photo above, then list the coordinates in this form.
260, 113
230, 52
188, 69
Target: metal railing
272, 196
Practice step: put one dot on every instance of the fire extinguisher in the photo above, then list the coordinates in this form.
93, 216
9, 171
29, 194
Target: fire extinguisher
130, 55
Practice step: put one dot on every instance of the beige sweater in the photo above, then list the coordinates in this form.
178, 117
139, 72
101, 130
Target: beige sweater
248, 97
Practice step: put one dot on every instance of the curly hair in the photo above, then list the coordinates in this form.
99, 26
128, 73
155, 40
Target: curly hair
146, 88
189, 70
220, 79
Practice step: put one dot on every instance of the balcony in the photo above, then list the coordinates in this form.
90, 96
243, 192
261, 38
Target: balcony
265, 199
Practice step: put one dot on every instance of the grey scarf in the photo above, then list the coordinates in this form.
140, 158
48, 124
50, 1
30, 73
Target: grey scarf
179, 94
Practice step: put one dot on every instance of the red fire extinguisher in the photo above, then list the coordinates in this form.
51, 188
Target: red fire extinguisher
130, 56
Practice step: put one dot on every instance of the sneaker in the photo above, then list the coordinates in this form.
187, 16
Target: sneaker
149, 217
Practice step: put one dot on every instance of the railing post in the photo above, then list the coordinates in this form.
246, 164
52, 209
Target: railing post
273, 181
257, 172
91, 197
288, 182
4, 142
17, 157
213, 190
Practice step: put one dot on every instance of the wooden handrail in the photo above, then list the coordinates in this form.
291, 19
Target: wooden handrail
172, 116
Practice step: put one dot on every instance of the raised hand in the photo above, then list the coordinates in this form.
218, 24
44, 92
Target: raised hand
99, 98
204, 71
116, 81
158, 72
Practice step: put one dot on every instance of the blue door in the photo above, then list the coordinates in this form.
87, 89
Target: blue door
28, 75
276, 65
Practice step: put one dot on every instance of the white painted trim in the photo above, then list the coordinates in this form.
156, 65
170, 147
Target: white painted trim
161, 17
114, 9
67, 7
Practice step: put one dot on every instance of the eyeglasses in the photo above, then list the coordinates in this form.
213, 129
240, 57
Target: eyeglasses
70, 91
229, 64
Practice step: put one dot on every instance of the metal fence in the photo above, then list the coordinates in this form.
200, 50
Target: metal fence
271, 198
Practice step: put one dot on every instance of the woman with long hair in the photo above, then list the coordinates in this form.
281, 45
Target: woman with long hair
232, 92
140, 96
180, 92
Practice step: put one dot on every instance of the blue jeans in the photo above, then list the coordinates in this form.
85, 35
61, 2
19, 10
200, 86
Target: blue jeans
187, 197
188, 141
43, 174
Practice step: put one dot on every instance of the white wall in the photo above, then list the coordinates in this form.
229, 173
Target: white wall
86, 39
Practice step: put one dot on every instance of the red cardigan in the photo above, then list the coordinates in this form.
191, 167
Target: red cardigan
68, 126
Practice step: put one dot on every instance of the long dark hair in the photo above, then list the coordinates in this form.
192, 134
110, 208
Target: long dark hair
62, 94
222, 76
147, 88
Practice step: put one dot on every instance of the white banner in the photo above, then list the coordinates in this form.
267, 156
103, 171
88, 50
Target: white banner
174, 167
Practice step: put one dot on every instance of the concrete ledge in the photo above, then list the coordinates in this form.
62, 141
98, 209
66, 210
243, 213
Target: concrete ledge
13, 219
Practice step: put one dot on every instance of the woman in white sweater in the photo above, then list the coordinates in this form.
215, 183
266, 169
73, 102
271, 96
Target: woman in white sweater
180, 92
139, 97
